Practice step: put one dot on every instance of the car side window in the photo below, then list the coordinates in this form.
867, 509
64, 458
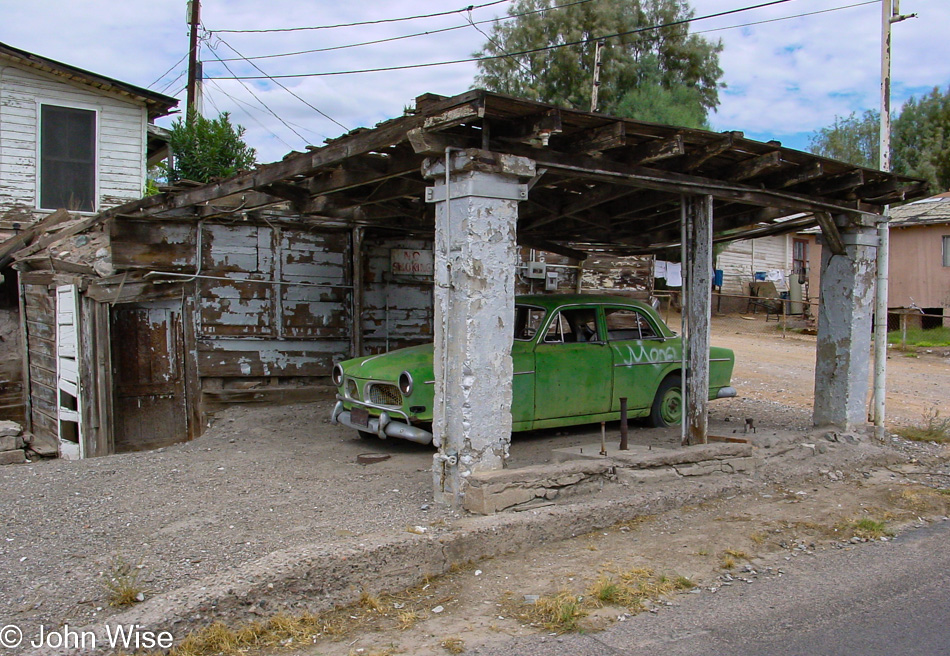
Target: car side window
527, 322
572, 326
625, 323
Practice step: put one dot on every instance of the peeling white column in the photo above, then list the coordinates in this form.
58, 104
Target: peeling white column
844, 329
475, 259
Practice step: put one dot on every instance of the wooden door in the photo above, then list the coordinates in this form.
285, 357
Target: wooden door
148, 360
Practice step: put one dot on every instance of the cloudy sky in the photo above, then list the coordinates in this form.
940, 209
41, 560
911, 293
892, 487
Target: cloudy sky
784, 78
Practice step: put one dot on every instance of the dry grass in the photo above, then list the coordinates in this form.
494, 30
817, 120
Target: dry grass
121, 583
931, 429
560, 612
868, 528
453, 645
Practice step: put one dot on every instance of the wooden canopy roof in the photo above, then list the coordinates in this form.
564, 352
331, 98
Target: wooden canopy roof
604, 183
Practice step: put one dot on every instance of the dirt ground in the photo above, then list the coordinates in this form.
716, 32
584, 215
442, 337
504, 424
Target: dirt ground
264, 479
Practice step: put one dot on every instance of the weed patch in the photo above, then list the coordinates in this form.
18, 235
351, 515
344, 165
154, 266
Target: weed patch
933, 428
121, 583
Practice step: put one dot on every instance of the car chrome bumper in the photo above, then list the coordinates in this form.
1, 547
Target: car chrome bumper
726, 393
384, 426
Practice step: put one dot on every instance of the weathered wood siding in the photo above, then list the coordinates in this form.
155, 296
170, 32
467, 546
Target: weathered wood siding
601, 274
40, 319
397, 309
741, 259
120, 140
249, 326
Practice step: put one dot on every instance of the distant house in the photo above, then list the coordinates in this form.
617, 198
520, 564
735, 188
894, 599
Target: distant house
786, 260
69, 138
919, 263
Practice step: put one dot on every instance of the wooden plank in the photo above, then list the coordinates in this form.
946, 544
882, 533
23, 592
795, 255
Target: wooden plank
193, 408
830, 232
25, 238
43, 376
597, 139
25, 349
755, 166
705, 153
42, 424
229, 364
656, 151
153, 246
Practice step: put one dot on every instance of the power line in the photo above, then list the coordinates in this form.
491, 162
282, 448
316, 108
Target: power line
523, 52
249, 106
411, 36
170, 68
495, 43
263, 104
782, 18
251, 116
180, 75
318, 111
371, 22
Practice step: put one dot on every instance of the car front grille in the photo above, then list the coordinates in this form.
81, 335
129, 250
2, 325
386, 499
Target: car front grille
382, 394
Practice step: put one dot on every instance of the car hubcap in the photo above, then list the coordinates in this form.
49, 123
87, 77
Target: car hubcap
672, 408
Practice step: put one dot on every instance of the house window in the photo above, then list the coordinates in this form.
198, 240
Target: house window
799, 256
946, 250
67, 158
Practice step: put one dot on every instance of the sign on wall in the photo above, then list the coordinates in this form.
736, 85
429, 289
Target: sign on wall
411, 262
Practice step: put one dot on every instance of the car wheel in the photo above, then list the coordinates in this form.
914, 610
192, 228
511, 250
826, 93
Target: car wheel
366, 435
667, 407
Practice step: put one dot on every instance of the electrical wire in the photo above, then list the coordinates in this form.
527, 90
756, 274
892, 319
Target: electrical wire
782, 18
254, 95
371, 22
497, 45
170, 69
249, 106
411, 36
318, 111
251, 116
180, 75
523, 52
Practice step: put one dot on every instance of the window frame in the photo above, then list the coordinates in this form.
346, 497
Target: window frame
946, 250
50, 102
643, 317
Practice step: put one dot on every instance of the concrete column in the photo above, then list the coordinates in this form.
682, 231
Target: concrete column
697, 288
475, 259
844, 326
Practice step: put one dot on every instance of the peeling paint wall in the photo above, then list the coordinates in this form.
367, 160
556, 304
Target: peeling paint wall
397, 309
120, 141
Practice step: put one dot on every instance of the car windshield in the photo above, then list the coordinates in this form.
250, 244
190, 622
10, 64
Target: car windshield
527, 321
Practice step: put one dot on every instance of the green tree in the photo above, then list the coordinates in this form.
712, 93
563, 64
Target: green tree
206, 148
921, 139
666, 75
854, 139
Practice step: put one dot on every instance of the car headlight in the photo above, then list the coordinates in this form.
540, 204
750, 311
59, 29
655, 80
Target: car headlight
337, 375
405, 383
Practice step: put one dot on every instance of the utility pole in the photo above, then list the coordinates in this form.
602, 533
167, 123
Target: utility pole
598, 52
194, 66
890, 14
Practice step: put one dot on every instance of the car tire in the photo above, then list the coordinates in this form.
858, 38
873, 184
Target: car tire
366, 435
667, 407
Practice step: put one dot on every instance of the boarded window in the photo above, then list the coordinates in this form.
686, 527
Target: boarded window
67, 158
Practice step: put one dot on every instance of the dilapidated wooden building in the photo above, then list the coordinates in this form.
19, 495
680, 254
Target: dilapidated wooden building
141, 318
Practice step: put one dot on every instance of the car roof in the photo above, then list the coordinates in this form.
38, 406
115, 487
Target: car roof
552, 301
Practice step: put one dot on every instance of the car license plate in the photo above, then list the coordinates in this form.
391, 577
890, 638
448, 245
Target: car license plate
360, 417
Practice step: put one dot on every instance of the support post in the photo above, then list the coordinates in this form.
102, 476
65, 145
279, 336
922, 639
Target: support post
697, 287
356, 339
844, 326
476, 215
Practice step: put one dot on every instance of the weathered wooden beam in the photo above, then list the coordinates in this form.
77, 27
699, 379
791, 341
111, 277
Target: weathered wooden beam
755, 166
587, 201
613, 135
655, 151
424, 142
534, 130
648, 178
834, 185
702, 155
796, 176
697, 299
287, 191
830, 232
455, 115
552, 247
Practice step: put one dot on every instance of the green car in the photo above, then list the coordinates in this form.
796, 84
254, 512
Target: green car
575, 356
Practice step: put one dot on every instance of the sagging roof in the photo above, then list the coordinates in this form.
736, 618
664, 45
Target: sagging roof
604, 183
158, 104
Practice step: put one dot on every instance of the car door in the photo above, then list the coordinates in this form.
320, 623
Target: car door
528, 320
573, 366
640, 355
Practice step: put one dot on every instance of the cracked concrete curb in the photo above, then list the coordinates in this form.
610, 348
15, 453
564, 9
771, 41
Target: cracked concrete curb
314, 579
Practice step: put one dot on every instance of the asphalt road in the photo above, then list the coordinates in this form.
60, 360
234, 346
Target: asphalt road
877, 599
